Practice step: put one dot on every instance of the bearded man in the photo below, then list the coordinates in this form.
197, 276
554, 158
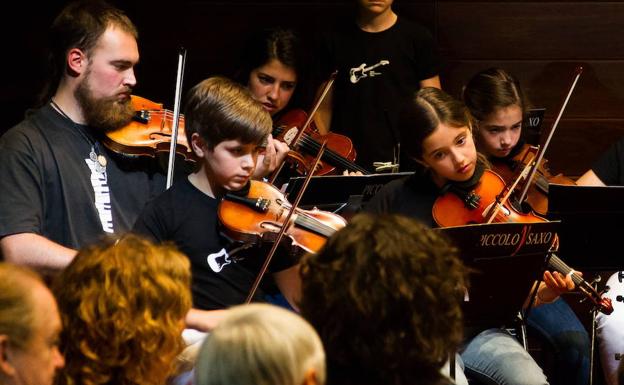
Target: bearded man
61, 189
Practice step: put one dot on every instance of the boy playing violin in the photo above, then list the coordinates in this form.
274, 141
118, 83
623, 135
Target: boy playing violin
226, 128
436, 132
498, 106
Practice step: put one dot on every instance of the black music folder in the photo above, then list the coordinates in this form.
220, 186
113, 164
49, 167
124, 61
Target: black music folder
506, 259
334, 192
592, 225
532, 125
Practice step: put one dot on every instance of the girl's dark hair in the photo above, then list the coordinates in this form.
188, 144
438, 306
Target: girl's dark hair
272, 43
422, 115
492, 89
284, 45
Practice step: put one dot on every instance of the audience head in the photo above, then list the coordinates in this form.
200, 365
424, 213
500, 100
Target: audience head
384, 294
123, 305
29, 329
261, 344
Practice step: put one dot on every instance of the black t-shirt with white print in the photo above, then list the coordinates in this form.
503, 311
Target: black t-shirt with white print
52, 187
377, 73
222, 272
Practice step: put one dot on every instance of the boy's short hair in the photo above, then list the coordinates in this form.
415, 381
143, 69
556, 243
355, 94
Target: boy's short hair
260, 344
219, 109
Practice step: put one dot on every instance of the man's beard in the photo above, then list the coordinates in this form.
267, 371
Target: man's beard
106, 114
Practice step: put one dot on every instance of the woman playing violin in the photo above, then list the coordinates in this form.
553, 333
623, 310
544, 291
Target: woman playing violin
498, 106
270, 68
436, 132
226, 128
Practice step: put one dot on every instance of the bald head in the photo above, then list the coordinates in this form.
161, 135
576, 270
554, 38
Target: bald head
17, 313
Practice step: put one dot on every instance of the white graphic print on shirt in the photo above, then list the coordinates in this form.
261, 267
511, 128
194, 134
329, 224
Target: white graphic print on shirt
102, 195
361, 72
218, 260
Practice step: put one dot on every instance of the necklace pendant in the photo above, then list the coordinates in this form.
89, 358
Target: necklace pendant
101, 160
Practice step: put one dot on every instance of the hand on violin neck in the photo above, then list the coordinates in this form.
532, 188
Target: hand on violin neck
554, 284
274, 154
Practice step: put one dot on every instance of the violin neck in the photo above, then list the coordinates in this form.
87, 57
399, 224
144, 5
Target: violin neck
311, 147
560, 266
314, 226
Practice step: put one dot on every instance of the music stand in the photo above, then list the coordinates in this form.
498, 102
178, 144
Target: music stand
592, 221
337, 192
532, 125
505, 259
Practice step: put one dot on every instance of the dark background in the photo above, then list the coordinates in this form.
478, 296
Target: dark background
541, 42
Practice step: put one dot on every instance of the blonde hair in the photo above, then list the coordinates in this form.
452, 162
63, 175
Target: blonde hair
17, 312
260, 344
122, 305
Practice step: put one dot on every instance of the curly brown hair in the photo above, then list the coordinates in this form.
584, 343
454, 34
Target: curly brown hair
122, 305
384, 294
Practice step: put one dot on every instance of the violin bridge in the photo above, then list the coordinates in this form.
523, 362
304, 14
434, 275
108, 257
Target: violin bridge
472, 200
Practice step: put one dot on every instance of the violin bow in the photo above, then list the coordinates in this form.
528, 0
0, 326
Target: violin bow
176, 116
498, 204
540, 153
282, 231
300, 132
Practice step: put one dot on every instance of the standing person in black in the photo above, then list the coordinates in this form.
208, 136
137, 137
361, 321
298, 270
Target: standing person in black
382, 59
61, 189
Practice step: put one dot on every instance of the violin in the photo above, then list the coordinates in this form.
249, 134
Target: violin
483, 199
340, 152
538, 161
259, 213
149, 133
484, 204
537, 195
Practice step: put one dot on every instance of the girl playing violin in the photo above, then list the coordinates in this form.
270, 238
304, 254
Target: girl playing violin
498, 107
436, 131
225, 127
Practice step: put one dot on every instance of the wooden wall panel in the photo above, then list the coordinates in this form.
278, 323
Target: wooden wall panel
539, 41
531, 30
599, 92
